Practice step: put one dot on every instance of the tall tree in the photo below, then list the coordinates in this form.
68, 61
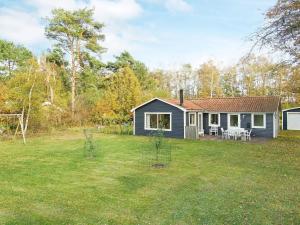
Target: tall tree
230, 83
257, 75
124, 93
294, 84
209, 80
282, 28
138, 67
186, 79
78, 34
12, 57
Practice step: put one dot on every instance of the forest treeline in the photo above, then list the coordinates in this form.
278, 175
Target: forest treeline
70, 85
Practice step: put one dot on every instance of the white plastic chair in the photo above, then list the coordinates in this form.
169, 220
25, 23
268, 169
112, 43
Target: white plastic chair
248, 135
214, 130
224, 133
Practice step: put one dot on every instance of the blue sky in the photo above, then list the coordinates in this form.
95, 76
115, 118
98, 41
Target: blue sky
161, 33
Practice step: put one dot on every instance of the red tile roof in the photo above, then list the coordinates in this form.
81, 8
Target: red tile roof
232, 104
187, 104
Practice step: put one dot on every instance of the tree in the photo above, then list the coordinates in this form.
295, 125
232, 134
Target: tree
257, 73
57, 57
139, 69
209, 80
26, 94
162, 85
230, 83
294, 84
12, 57
77, 34
282, 28
186, 79
124, 93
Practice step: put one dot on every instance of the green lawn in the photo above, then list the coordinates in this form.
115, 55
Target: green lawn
49, 181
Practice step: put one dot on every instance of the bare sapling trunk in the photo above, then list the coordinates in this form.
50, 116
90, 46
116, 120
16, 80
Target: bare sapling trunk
73, 82
29, 108
24, 124
21, 121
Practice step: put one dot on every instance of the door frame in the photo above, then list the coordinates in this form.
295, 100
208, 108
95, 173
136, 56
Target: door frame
198, 119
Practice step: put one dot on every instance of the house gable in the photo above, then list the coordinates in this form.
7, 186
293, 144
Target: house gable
158, 106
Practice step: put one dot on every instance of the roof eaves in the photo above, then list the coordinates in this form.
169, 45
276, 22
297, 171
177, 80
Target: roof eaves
153, 99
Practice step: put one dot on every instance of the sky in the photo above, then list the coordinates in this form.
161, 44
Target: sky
161, 33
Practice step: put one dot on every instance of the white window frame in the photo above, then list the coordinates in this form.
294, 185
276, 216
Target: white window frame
157, 113
209, 119
252, 120
195, 119
234, 114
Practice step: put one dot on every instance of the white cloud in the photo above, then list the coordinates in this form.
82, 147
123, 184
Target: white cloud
174, 5
20, 27
178, 5
105, 10
120, 37
43, 7
112, 11
25, 27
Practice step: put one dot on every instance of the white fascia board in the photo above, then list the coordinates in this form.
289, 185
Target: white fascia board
145, 103
291, 109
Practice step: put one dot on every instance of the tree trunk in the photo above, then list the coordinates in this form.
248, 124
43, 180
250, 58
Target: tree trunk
211, 85
73, 83
29, 108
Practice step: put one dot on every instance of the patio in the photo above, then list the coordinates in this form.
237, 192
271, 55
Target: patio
235, 133
193, 132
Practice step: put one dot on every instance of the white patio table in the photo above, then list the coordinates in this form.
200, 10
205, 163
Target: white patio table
236, 133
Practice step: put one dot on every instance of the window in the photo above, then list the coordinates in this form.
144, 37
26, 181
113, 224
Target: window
192, 119
214, 119
259, 120
164, 121
234, 120
155, 121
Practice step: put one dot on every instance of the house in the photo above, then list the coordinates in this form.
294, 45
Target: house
174, 116
291, 119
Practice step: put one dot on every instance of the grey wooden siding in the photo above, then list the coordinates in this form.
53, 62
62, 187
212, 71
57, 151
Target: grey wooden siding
159, 106
284, 117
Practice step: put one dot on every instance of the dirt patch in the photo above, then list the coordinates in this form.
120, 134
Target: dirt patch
159, 165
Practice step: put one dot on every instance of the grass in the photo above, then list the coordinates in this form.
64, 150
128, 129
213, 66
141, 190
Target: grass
49, 181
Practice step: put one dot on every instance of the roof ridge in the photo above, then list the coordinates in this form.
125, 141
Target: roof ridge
239, 97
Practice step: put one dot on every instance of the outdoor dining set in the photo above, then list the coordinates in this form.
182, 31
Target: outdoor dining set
232, 133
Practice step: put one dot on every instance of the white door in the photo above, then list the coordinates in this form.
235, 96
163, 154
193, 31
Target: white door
293, 120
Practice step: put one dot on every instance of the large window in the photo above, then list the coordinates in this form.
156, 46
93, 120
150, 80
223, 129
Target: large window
234, 120
214, 119
192, 119
259, 120
155, 121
